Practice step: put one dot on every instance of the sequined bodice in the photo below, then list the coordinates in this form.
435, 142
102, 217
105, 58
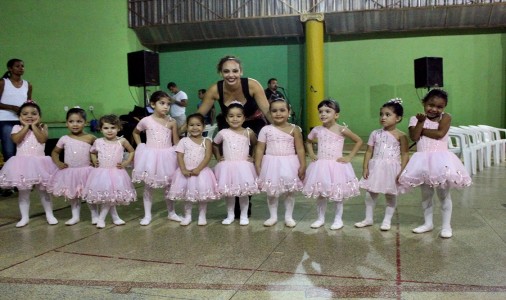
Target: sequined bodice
330, 144
109, 153
193, 153
427, 144
278, 142
157, 135
386, 146
235, 145
76, 152
29, 145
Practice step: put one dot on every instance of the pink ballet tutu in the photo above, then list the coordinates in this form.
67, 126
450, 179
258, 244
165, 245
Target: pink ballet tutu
199, 188
25, 171
236, 178
69, 182
330, 179
279, 174
383, 177
435, 169
109, 185
154, 166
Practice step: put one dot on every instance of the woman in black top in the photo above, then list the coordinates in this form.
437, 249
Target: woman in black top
233, 87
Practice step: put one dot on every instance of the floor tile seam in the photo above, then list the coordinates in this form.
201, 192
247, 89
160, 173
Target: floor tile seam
490, 225
357, 290
121, 258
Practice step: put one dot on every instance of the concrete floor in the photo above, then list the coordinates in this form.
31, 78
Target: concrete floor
168, 261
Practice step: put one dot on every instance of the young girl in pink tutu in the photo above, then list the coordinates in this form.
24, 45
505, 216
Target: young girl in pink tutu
330, 176
194, 181
155, 161
29, 168
433, 167
280, 161
234, 172
387, 154
108, 183
73, 173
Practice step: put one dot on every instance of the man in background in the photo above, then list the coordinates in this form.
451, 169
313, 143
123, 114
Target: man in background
178, 103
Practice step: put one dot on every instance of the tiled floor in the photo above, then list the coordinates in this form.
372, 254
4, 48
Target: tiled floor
168, 261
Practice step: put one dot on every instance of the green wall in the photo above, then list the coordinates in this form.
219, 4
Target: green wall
75, 54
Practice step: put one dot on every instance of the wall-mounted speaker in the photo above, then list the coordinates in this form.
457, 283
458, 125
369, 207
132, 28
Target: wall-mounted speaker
428, 72
143, 69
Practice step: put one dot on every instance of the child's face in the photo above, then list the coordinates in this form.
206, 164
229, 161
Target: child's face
75, 123
279, 112
161, 107
195, 127
235, 117
29, 115
434, 107
110, 131
327, 115
388, 118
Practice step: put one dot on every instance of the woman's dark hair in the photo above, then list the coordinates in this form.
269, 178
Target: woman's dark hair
396, 107
111, 119
195, 116
234, 105
331, 103
227, 58
76, 111
436, 93
29, 103
10, 64
157, 95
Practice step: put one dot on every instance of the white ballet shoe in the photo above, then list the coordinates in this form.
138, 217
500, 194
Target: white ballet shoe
22, 223
185, 222
202, 221
290, 223
317, 224
118, 222
228, 221
446, 233
363, 224
72, 222
270, 222
174, 217
94, 220
100, 224
243, 221
145, 221
423, 228
337, 225
385, 227
51, 220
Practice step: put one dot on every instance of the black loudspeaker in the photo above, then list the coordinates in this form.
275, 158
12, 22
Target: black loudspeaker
428, 72
143, 68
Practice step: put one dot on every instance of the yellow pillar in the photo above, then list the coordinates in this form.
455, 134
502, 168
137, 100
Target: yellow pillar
315, 90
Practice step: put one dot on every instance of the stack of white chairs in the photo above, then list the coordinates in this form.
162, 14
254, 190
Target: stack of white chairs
209, 130
478, 146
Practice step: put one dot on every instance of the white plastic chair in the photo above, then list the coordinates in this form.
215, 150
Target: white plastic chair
498, 141
481, 139
209, 130
458, 143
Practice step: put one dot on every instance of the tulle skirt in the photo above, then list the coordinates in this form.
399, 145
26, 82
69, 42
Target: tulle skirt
194, 188
442, 169
330, 179
236, 178
382, 177
154, 166
279, 174
109, 185
23, 172
69, 182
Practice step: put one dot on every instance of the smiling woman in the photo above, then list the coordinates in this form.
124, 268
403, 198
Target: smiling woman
233, 87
